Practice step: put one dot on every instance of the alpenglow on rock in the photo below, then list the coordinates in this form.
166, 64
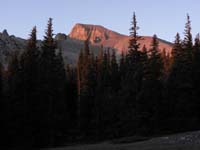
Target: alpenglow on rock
99, 35
72, 43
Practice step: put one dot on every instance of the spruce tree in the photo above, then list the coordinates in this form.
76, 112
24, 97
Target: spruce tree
196, 74
181, 80
150, 97
177, 49
115, 78
16, 103
51, 73
132, 82
122, 64
30, 76
155, 68
86, 81
133, 75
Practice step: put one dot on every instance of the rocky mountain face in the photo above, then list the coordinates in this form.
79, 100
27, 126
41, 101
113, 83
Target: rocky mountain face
9, 44
98, 35
71, 44
70, 47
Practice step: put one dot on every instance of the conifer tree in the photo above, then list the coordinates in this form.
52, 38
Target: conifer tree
166, 61
196, 74
122, 64
181, 79
133, 42
51, 73
155, 67
30, 76
115, 78
187, 42
196, 52
177, 48
72, 97
134, 66
132, 82
16, 103
150, 97
86, 77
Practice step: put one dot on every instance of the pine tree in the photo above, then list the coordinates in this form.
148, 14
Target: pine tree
196, 74
30, 76
177, 49
196, 51
144, 60
132, 82
187, 42
86, 81
133, 75
150, 97
181, 80
62, 96
133, 52
51, 72
166, 62
72, 97
4, 127
115, 77
155, 67
122, 65
16, 103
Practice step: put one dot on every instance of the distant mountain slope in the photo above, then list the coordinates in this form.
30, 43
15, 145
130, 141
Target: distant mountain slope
9, 44
99, 35
70, 47
72, 44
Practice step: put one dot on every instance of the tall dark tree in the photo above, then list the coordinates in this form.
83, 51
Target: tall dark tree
16, 103
132, 82
187, 42
30, 76
133, 75
150, 97
166, 61
155, 67
122, 65
114, 72
196, 52
196, 73
51, 79
86, 81
181, 80
177, 48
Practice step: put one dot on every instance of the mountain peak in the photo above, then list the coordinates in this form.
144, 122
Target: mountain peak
95, 33
99, 35
87, 25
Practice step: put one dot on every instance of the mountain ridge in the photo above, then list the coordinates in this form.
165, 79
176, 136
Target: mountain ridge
99, 35
72, 43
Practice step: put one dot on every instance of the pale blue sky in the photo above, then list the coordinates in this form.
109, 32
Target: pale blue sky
163, 17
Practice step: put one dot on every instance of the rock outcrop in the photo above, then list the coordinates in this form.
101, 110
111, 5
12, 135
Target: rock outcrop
98, 35
9, 44
60, 37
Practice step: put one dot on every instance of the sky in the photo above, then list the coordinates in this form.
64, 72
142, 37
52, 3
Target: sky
162, 17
